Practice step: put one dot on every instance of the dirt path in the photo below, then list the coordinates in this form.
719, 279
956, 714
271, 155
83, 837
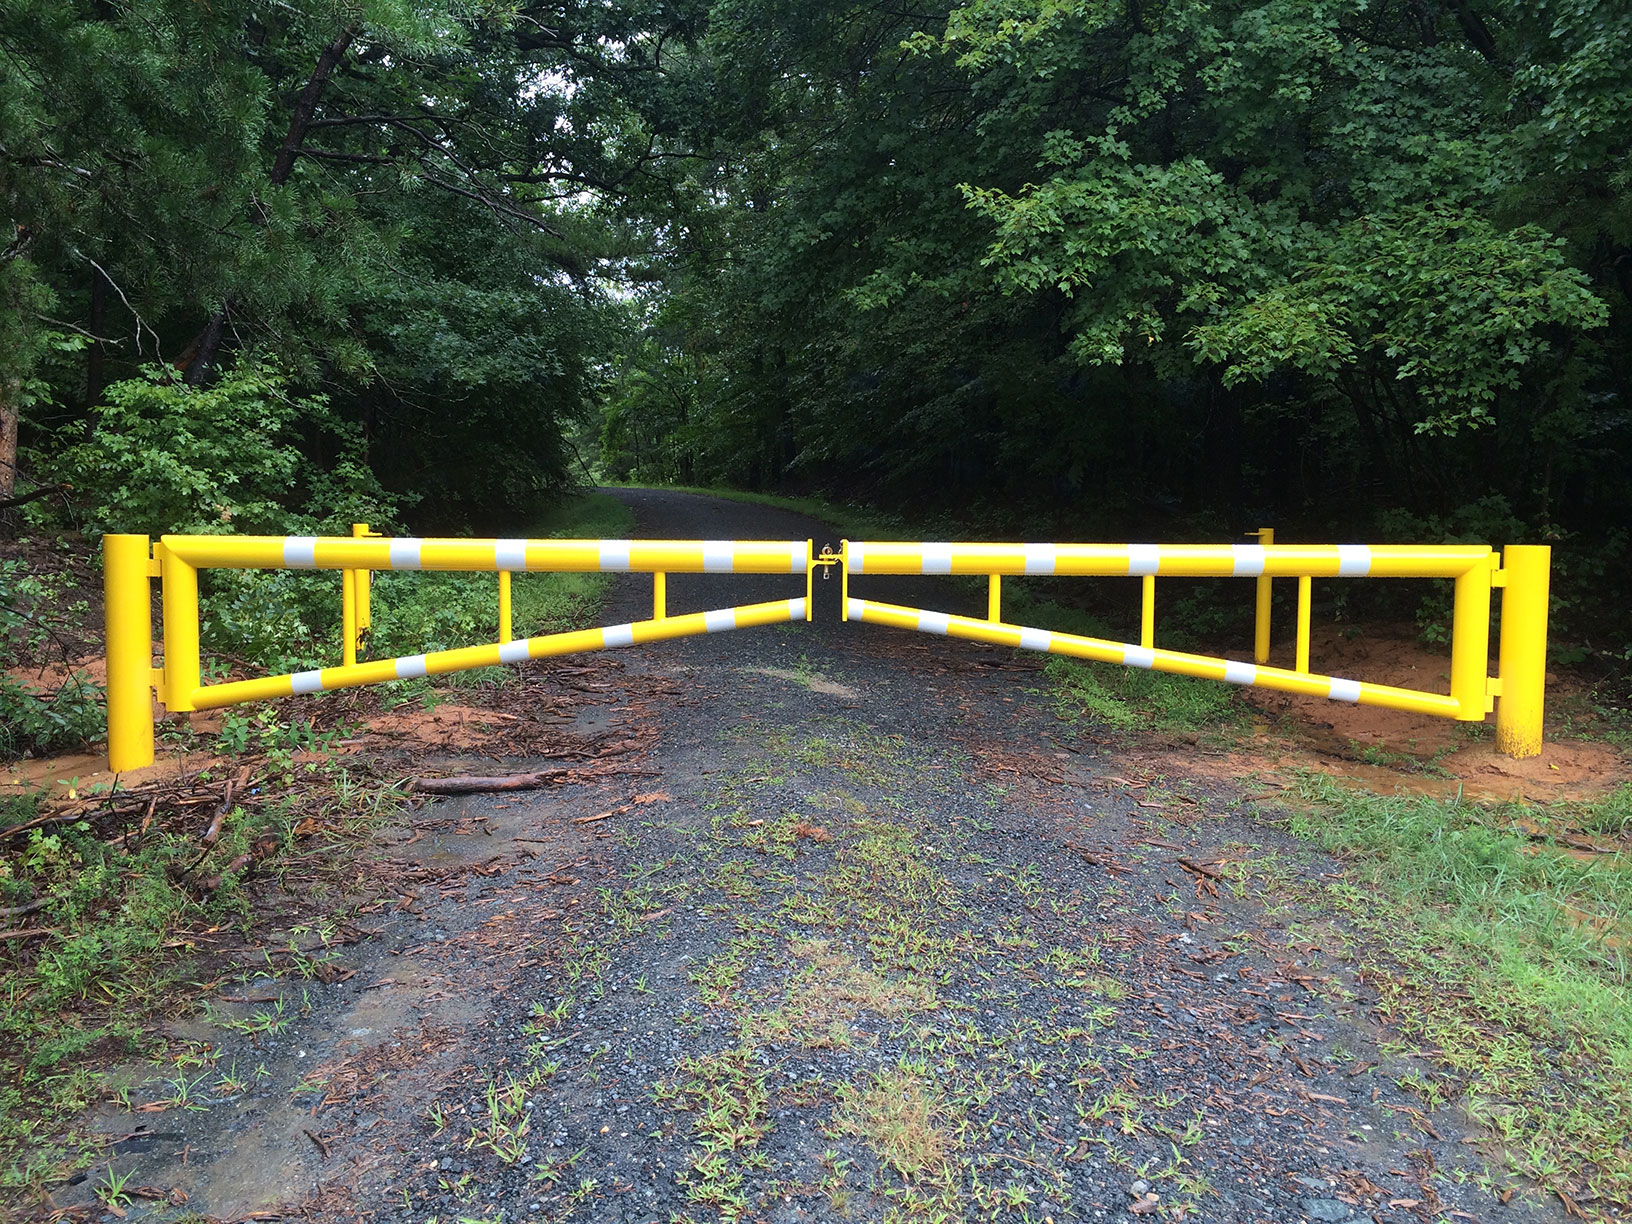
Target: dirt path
855, 930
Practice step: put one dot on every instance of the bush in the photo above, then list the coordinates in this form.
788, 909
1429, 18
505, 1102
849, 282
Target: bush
161, 456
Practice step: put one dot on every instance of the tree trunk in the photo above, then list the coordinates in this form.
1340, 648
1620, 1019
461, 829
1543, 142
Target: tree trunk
11, 411
206, 346
306, 104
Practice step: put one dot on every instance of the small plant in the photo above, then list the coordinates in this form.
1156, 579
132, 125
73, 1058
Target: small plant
111, 1189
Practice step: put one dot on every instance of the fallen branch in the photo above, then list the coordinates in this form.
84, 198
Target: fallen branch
473, 785
28, 932
19, 911
214, 831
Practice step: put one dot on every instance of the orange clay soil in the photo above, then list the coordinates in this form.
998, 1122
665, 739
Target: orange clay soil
1381, 750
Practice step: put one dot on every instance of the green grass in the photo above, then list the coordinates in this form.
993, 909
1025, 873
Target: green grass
1502, 958
1130, 699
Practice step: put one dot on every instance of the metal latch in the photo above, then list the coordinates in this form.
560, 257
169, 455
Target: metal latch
827, 558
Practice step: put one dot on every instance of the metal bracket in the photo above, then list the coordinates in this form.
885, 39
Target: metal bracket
827, 558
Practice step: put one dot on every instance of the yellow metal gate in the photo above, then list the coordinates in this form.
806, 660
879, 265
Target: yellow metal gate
133, 562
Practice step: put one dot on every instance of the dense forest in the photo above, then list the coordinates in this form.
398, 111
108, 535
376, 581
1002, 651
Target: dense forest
1126, 268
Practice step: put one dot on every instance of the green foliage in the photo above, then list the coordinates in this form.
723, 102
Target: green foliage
35, 721
163, 457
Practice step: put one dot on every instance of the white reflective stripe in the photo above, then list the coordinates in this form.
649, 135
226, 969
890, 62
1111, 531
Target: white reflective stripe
510, 554
614, 556
856, 556
618, 635
1139, 656
306, 682
1353, 560
410, 666
932, 622
1240, 673
1144, 558
796, 609
405, 553
798, 556
1036, 639
937, 558
715, 622
856, 609
717, 556
1343, 690
300, 552
514, 652
1249, 560
1040, 558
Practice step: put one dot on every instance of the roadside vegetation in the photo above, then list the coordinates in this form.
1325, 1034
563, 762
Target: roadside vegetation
1497, 938
124, 904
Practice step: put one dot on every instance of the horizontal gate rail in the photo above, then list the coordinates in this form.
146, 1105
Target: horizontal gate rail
1475, 570
175, 561
1101, 651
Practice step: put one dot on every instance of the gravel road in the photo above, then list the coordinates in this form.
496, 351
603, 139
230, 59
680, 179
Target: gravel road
850, 927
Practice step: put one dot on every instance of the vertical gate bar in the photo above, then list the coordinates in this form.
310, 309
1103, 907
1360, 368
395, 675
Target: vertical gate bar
348, 618
1305, 589
1260, 645
1147, 612
994, 598
128, 608
360, 580
180, 601
844, 580
660, 595
1470, 642
810, 576
505, 633
1522, 651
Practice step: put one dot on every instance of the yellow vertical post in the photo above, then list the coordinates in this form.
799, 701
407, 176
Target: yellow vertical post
660, 595
810, 576
1147, 612
180, 599
348, 618
356, 594
127, 603
505, 626
844, 580
1470, 642
1260, 642
1305, 590
1522, 652
994, 598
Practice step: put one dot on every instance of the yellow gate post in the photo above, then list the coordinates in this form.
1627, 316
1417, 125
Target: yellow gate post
1260, 637
128, 611
1522, 653
354, 604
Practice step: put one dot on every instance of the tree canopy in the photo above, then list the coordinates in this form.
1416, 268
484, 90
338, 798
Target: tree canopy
1360, 264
